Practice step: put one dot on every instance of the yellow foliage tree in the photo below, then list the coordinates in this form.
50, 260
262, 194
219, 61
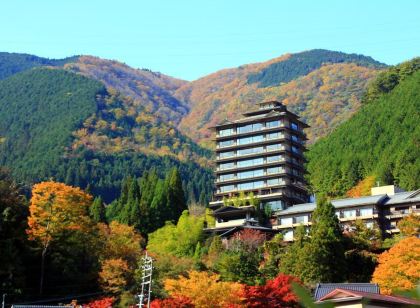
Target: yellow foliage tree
399, 267
54, 209
205, 290
113, 275
409, 225
362, 188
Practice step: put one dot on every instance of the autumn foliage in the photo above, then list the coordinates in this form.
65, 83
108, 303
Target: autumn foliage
204, 290
362, 188
275, 293
172, 302
399, 267
101, 303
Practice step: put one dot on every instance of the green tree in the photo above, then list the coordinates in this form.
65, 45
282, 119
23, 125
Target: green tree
97, 210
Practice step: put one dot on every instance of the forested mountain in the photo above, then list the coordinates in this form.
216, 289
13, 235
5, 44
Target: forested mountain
55, 123
12, 63
382, 140
324, 87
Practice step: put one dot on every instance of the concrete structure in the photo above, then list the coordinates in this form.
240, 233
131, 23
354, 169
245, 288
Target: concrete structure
259, 155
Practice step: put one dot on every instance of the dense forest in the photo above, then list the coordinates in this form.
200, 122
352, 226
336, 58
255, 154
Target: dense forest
57, 124
381, 140
302, 63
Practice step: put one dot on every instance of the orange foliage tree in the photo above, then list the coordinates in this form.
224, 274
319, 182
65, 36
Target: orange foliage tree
101, 303
114, 275
204, 290
54, 209
399, 267
362, 188
172, 302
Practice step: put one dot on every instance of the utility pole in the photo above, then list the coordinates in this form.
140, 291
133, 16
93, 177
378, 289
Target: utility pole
146, 281
3, 303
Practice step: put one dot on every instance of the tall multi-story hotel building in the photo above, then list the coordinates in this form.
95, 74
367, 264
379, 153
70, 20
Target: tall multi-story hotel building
262, 154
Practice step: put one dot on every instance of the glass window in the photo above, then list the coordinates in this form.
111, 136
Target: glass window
245, 129
295, 138
272, 124
349, 213
226, 143
369, 224
226, 166
250, 185
366, 212
273, 147
274, 158
247, 140
295, 150
275, 181
273, 170
225, 188
294, 126
226, 177
250, 151
226, 132
272, 135
275, 205
301, 219
286, 221
227, 154
288, 235
250, 162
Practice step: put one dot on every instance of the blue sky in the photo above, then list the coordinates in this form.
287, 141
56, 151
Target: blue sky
189, 39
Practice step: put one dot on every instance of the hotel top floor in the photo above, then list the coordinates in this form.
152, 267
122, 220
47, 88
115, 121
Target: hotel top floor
266, 118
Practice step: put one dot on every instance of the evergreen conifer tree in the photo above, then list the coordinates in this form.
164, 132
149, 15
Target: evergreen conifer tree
97, 210
176, 197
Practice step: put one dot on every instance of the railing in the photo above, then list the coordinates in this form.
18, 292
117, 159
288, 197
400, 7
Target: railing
235, 142
280, 148
250, 177
230, 223
256, 188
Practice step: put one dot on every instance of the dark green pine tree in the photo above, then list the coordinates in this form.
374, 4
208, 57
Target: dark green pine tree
291, 259
114, 210
176, 198
323, 257
130, 213
97, 210
159, 204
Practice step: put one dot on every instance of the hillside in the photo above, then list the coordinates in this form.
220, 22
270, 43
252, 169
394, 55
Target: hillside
382, 140
323, 87
54, 123
12, 63
154, 91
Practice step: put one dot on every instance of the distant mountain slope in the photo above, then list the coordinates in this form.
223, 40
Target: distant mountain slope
323, 94
381, 140
152, 90
12, 63
54, 123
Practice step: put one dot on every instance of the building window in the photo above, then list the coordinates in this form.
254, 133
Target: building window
286, 221
226, 166
226, 177
295, 138
226, 188
250, 174
274, 158
249, 128
349, 213
273, 136
226, 132
275, 181
301, 219
250, 185
250, 151
288, 235
369, 224
273, 147
250, 162
274, 170
275, 205
294, 126
295, 150
226, 143
366, 212
227, 154
272, 124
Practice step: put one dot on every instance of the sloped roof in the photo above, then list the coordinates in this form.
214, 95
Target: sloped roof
322, 289
350, 294
404, 197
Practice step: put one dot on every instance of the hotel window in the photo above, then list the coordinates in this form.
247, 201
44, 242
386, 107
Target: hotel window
301, 219
250, 174
349, 213
249, 128
275, 181
274, 158
250, 151
274, 170
366, 212
286, 221
273, 135
295, 138
252, 139
275, 205
225, 188
226, 143
250, 185
272, 124
295, 150
226, 177
250, 162
226, 132
273, 147
288, 235
226, 154
294, 126
226, 166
